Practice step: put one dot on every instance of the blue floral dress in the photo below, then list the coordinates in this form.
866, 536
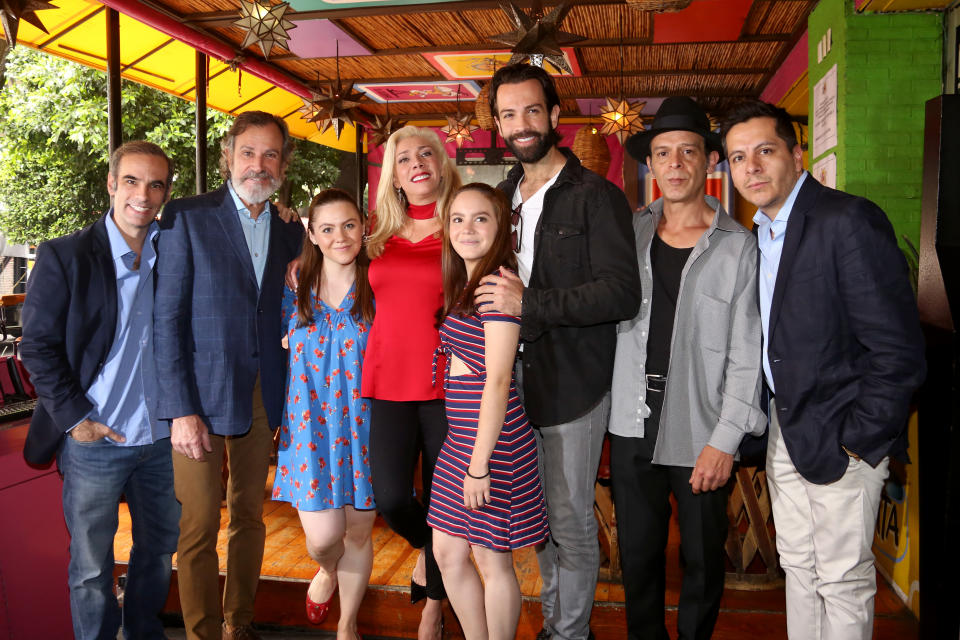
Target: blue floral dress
324, 457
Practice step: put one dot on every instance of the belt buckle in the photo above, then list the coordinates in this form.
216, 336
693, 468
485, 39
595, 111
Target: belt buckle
656, 382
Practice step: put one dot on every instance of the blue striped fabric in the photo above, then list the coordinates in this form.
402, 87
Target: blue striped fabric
516, 515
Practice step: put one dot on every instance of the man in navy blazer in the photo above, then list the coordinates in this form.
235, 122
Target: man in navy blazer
842, 356
217, 324
88, 344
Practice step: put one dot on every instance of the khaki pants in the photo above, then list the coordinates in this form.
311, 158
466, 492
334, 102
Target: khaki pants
198, 489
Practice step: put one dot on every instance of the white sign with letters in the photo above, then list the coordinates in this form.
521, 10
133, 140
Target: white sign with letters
825, 113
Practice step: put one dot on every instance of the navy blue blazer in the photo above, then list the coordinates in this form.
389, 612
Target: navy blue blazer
845, 346
213, 329
69, 319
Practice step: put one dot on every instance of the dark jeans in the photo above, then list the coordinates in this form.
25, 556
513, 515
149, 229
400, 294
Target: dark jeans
399, 431
641, 494
95, 475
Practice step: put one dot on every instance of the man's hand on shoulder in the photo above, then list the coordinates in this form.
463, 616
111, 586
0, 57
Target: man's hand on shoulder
89, 431
286, 213
189, 437
712, 470
503, 293
293, 273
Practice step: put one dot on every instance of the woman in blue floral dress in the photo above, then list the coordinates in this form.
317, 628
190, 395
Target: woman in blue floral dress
323, 464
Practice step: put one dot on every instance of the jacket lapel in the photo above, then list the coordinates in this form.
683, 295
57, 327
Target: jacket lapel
791, 244
227, 216
103, 259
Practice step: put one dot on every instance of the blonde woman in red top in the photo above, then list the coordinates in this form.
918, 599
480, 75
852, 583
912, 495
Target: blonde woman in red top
407, 411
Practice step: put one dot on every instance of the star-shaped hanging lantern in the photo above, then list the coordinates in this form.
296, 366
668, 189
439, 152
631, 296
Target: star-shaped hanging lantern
333, 107
264, 24
459, 128
381, 129
621, 118
538, 35
13, 11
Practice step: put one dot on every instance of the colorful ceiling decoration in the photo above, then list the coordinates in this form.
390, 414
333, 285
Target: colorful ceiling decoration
321, 39
264, 24
420, 91
702, 21
413, 54
381, 129
621, 118
459, 129
13, 11
537, 34
477, 65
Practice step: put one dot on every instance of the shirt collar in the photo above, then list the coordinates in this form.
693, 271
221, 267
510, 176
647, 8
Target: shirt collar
118, 244
761, 219
242, 208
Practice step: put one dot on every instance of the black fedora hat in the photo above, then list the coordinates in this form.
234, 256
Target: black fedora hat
675, 114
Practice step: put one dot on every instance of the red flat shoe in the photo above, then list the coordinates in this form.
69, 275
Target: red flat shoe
317, 612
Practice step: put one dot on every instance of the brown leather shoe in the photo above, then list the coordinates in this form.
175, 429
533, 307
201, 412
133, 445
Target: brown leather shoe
242, 632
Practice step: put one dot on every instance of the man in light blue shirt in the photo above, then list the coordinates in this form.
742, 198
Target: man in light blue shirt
88, 344
842, 356
770, 234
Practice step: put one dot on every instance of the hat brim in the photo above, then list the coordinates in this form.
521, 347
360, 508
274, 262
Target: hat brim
638, 145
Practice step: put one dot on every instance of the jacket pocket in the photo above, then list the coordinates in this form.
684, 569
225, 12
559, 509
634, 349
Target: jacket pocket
210, 373
564, 242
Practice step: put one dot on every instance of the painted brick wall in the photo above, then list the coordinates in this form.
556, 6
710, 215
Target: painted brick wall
888, 66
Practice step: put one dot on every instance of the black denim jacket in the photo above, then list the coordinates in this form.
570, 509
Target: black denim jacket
584, 280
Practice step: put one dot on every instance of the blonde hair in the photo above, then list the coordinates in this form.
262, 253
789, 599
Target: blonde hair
391, 211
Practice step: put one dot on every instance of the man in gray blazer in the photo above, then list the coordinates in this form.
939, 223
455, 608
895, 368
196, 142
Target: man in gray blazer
686, 377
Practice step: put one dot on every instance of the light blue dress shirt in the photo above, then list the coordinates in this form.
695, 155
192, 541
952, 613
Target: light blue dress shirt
124, 393
770, 236
256, 232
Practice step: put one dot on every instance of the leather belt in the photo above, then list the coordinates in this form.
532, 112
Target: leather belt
656, 382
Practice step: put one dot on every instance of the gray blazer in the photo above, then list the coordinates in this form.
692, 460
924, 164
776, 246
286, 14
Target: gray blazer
712, 393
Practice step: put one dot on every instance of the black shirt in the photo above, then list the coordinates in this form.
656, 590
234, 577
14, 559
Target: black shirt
667, 264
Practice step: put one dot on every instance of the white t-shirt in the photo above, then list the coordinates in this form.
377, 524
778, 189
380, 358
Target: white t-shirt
530, 217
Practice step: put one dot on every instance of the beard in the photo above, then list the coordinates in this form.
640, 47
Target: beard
255, 194
536, 152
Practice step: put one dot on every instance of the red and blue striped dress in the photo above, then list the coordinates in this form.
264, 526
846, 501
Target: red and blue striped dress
516, 515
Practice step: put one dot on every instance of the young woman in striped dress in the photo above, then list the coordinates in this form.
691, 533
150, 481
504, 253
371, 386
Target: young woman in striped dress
487, 496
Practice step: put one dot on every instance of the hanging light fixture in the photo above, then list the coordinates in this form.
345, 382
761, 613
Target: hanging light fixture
264, 24
11, 13
380, 130
591, 149
459, 128
333, 107
537, 37
621, 117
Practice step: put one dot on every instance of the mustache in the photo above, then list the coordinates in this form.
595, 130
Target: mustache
257, 175
525, 134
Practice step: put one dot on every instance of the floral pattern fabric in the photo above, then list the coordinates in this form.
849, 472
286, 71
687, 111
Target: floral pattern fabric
324, 457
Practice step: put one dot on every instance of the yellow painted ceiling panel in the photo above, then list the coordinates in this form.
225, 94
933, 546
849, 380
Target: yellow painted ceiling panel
77, 32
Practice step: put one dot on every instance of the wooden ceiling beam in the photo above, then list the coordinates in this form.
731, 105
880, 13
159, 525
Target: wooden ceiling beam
592, 75
607, 42
227, 18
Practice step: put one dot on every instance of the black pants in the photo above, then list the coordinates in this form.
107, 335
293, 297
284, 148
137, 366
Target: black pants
641, 494
399, 431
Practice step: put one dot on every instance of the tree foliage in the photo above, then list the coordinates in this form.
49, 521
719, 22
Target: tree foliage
54, 145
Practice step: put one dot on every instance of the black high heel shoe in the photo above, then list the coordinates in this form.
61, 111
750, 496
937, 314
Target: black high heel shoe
417, 592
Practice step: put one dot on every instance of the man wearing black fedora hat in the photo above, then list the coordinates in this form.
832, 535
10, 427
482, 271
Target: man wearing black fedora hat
686, 377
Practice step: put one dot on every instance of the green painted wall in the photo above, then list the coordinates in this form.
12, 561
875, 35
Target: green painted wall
888, 66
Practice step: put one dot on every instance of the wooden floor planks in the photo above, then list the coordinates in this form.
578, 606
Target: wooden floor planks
386, 611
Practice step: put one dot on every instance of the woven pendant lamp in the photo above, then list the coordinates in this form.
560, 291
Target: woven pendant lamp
481, 109
591, 148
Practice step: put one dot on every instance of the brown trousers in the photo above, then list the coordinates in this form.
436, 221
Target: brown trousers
198, 488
